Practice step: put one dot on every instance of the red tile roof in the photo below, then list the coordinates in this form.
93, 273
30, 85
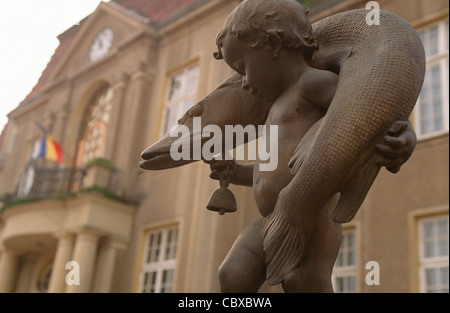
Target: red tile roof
156, 10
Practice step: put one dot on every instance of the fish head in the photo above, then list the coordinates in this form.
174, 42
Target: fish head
228, 104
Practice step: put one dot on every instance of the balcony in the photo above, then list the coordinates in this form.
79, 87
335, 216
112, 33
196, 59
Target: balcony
50, 200
41, 180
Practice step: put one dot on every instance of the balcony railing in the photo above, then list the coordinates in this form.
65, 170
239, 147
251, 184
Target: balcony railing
37, 182
41, 180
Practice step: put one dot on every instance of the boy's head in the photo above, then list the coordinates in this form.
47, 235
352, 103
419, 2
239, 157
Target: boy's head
256, 21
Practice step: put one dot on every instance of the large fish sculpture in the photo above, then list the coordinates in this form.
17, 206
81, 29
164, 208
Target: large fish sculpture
381, 70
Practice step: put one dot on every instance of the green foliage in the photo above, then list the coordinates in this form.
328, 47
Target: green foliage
6, 197
310, 3
13, 203
95, 188
102, 162
104, 192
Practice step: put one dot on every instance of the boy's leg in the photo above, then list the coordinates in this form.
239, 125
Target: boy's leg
315, 270
244, 269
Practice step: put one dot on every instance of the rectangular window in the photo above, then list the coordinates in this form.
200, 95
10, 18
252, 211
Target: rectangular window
158, 264
433, 254
181, 95
344, 272
432, 110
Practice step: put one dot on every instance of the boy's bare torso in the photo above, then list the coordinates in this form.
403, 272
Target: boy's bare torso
295, 111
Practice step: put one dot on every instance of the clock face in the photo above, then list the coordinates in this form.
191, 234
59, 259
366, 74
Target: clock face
101, 44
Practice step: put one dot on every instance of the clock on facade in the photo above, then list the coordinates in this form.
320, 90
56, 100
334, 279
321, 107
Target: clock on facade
101, 44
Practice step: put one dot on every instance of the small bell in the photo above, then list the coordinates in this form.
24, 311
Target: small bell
222, 200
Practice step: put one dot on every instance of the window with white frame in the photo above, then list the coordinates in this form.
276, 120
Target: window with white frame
344, 271
181, 95
433, 254
432, 108
158, 264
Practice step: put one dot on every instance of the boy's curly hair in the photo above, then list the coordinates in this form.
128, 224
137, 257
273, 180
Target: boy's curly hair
255, 21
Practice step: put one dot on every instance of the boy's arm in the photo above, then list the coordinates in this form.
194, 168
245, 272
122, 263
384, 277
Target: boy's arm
397, 146
241, 174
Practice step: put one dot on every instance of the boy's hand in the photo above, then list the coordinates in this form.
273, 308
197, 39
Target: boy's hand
218, 167
397, 146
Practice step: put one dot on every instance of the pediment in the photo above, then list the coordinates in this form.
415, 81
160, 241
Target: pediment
97, 37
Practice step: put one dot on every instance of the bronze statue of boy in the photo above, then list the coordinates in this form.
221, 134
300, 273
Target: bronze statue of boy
271, 44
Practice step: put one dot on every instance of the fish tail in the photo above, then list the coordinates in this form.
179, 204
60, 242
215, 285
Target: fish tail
284, 246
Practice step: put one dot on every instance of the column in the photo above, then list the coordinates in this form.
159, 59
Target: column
142, 79
63, 119
105, 267
59, 271
119, 87
133, 124
27, 266
134, 116
60, 127
84, 254
48, 121
9, 269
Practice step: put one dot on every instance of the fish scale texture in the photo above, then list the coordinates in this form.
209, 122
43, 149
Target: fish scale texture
379, 83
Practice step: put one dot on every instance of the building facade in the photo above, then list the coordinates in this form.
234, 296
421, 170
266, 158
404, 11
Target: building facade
121, 79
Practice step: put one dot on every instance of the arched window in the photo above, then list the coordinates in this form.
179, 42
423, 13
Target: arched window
94, 127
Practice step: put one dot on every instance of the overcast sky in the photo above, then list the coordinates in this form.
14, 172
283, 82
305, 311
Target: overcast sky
28, 31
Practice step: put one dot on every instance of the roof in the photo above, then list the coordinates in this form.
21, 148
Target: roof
156, 11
